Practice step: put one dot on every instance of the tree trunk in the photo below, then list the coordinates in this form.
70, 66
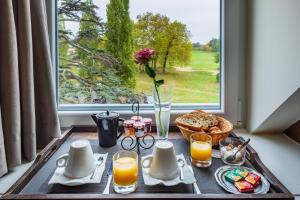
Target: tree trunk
155, 62
166, 56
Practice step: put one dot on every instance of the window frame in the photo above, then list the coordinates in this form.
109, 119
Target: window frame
231, 77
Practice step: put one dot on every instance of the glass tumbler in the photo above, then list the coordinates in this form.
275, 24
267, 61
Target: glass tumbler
232, 146
201, 149
125, 171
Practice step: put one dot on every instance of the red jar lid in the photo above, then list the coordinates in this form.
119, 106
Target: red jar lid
136, 118
128, 123
139, 125
147, 120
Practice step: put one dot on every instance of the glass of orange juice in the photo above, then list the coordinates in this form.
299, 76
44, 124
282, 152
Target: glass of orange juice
201, 149
125, 171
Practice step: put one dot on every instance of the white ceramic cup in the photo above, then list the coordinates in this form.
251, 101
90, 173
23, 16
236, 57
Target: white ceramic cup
79, 162
162, 163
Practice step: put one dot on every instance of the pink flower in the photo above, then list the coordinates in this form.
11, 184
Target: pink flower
143, 56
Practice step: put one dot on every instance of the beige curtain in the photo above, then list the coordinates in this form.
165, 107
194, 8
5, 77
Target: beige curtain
28, 117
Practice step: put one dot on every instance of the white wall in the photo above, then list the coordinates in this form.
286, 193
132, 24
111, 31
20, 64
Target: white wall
284, 116
273, 59
234, 60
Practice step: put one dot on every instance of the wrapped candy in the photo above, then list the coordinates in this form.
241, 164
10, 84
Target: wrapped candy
244, 186
241, 172
232, 177
252, 178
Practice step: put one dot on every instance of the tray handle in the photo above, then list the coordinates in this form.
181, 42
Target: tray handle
39, 161
254, 159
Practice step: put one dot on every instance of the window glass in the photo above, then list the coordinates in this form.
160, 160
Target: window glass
97, 40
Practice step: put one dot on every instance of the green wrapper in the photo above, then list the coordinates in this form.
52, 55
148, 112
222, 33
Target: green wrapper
241, 172
232, 177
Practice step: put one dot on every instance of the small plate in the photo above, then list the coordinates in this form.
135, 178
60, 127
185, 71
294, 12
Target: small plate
262, 188
189, 178
59, 178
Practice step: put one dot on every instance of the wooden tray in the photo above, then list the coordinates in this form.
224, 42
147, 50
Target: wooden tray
34, 183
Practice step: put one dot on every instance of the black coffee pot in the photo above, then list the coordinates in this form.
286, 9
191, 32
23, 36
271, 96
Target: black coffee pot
108, 128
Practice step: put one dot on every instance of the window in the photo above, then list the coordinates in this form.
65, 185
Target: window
97, 40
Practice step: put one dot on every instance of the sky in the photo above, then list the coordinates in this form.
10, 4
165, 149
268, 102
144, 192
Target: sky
202, 17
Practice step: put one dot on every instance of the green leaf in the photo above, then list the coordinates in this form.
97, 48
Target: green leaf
159, 82
150, 71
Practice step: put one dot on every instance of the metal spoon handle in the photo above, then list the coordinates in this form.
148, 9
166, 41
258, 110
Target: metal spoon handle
181, 173
94, 172
241, 147
244, 144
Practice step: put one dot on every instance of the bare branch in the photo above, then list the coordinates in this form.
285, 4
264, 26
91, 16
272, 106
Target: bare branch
74, 62
103, 57
67, 74
76, 19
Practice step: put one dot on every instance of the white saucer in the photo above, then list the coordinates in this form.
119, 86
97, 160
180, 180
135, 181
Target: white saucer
189, 178
58, 176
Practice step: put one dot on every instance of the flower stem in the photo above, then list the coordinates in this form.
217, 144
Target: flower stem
159, 113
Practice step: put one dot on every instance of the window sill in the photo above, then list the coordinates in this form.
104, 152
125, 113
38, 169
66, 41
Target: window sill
69, 118
122, 112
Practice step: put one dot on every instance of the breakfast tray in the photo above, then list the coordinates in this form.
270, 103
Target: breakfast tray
34, 183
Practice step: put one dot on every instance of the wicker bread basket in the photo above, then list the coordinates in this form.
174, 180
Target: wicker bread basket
225, 126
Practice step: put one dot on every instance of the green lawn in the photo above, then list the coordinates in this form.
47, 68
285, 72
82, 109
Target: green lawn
197, 85
203, 60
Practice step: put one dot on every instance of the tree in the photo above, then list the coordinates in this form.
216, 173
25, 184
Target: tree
119, 39
62, 44
170, 40
89, 74
72, 10
149, 32
214, 44
89, 36
217, 57
178, 48
206, 47
196, 45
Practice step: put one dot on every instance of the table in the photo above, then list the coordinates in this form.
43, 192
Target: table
34, 183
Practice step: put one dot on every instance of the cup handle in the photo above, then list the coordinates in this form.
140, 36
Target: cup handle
62, 160
122, 130
149, 159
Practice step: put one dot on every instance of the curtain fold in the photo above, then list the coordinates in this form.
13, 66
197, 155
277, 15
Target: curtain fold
27, 99
3, 164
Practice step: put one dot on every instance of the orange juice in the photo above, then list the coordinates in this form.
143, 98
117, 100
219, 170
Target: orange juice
125, 171
201, 151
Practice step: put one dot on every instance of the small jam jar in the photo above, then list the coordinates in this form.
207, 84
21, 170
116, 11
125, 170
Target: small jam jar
139, 128
128, 126
137, 118
148, 123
